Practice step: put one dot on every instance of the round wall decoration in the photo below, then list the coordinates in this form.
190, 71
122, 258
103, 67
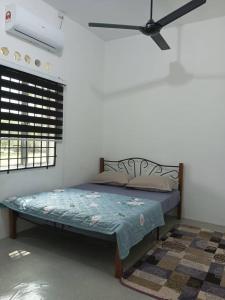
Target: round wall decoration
17, 56
4, 51
47, 66
27, 59
37, 63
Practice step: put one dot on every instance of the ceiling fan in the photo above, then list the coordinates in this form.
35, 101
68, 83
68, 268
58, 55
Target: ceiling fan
153, 28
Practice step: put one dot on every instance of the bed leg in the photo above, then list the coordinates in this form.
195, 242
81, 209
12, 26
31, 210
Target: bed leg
179, 211
118, 265
12, 224
181, 179
157, 233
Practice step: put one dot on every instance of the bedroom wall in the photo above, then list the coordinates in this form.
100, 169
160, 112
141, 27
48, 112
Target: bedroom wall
81, 66
169, 107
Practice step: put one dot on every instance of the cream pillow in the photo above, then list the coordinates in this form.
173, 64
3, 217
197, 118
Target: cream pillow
112, 178
152, 183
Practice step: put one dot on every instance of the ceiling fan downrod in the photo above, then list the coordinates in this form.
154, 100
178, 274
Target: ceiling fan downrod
151, 11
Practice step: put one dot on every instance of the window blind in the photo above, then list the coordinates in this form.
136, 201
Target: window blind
30, 106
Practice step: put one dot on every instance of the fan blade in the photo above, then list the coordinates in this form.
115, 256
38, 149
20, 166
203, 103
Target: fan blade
115, 26
180, 12
159, 40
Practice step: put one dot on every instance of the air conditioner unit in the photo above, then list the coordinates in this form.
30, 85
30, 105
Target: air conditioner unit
22, 23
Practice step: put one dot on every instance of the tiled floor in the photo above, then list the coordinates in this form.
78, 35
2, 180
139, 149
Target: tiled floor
42, 265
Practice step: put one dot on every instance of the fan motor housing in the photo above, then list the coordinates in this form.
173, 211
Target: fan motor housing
151, 28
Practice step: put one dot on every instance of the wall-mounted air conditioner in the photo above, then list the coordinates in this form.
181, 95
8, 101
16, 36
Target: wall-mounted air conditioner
22, 23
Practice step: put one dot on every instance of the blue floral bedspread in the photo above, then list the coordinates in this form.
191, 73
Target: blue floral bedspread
129, 218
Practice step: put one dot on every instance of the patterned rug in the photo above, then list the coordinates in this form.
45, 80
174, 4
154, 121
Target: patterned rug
187, 264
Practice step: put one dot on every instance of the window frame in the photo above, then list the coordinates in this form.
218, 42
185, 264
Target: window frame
26, 165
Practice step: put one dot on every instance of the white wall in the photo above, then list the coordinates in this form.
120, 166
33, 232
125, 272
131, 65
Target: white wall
169, 107
81, 66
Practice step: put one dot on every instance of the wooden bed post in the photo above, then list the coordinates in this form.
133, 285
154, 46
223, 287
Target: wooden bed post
12, 224
181, 178
118, 264
102, 165
157, 233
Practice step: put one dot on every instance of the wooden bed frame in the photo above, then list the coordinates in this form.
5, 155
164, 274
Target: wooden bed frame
134, 167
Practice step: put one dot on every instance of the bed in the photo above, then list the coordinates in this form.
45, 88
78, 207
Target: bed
119, 214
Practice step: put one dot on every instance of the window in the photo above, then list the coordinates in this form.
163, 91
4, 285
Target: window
25, 154
31, 120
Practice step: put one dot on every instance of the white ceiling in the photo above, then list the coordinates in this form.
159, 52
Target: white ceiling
131, 12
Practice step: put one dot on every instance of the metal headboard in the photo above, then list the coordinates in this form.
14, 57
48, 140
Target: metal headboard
136, 166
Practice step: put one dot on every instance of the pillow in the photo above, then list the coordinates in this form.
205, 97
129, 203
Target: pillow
152, 183
112, 178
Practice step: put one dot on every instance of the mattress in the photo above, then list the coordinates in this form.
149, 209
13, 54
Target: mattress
168, 200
